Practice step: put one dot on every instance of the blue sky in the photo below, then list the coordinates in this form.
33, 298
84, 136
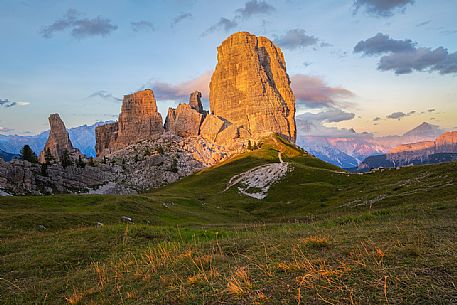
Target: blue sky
78, 58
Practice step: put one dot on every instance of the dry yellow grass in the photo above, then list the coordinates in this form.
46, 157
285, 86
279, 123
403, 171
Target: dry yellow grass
239, 283
75, 298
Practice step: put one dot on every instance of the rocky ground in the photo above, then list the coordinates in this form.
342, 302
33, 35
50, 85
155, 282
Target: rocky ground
136, 168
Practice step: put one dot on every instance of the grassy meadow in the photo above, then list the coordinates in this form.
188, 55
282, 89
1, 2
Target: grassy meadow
322, 236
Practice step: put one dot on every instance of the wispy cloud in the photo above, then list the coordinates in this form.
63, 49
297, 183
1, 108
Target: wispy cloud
403, 56
251, 8
423, 23
79, 26
382, 8
168, 91
8, 104
313, 92
315, 124
399, 115
296, 38
6, 129
180, 18
142, 25
255, 7
223, 24
105, 95
381, 43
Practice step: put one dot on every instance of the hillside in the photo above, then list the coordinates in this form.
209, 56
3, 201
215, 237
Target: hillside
320, 236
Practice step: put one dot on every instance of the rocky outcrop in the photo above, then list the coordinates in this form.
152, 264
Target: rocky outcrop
138, 167
105, 136
251, 89
211, 127
447, 142
195, 101
411, 147
20, 177
139, 120
58, 140
170, 119
186, 119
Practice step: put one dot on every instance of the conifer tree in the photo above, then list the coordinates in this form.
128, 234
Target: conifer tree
28, 154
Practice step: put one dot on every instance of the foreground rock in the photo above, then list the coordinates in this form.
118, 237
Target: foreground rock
58, 141
20, 177
250, 88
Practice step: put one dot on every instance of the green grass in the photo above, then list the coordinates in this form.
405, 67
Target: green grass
320, 236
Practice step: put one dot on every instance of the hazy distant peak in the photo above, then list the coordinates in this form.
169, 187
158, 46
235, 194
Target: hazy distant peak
424, 130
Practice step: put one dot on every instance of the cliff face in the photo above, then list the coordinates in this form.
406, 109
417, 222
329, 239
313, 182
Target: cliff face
250, 97
251, 89
139, 120
447, 142
186, 119
58, 140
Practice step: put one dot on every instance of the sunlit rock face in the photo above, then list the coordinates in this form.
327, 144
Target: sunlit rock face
58, 140
250, 98
447, 142
405, 153
186, 119
139, 120
250, 88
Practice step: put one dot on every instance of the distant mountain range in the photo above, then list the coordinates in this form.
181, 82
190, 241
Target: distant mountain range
7, 156
351, 148
346, 151
442, 149
82, 137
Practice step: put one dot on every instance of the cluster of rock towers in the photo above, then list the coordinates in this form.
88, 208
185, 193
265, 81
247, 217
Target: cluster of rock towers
250, 97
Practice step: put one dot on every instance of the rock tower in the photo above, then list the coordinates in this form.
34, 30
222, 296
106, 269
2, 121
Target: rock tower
139, 120
250, 87
58, 140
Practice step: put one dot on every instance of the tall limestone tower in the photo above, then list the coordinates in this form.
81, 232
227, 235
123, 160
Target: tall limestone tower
250, 87
58, 140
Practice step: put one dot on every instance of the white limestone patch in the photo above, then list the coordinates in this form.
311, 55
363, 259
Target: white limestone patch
4, 193
257, 181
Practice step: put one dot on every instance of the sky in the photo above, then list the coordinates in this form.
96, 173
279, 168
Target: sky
378, 66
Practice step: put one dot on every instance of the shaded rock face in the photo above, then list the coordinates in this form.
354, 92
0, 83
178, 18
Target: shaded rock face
20, 177
195, 101
139, 120
251, 89
58, 140
186, 119
105, 136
